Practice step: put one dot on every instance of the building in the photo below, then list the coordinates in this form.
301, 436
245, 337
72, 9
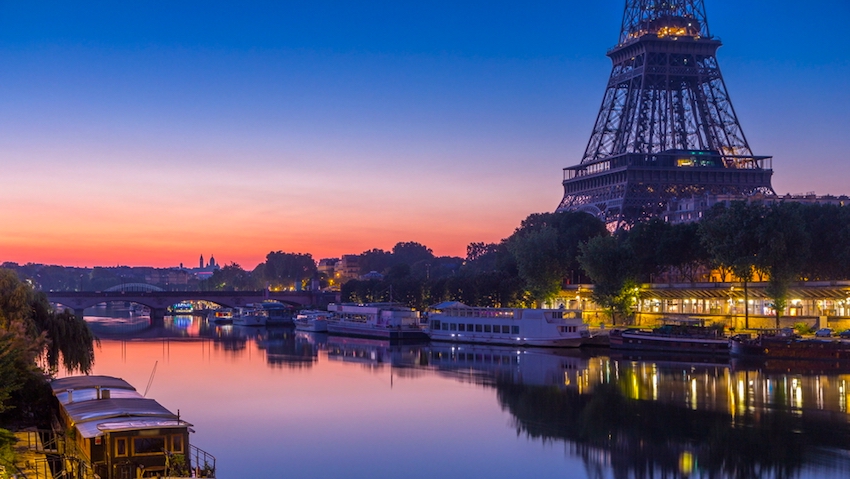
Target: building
691, 209
347, 268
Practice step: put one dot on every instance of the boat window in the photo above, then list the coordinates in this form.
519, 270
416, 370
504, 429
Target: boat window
453, 327
488, 328
121, 447
461, 327
478, 328
445, 326
506, 329
514, 329
435, 324
177, 443
470, 327
148, 445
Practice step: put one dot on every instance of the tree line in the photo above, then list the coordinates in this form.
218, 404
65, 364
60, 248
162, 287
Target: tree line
779, 243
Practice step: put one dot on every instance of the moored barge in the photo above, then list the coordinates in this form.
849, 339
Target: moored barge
389, 321
791, 347
122, 434
672, 338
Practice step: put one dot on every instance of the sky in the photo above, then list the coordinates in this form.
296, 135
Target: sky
150, 132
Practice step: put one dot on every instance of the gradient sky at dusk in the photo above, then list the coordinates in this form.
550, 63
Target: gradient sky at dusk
149, 132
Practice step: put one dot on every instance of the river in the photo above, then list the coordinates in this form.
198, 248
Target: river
276, 403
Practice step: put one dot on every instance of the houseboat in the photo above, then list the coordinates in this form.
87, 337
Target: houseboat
682, 336
279, 314
251, 315
122, 434
375, 320
313, 321
457, 322
220, 316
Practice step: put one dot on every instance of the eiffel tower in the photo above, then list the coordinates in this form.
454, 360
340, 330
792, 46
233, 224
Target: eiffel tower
666, 130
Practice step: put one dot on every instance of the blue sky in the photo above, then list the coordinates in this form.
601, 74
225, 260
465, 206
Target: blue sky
438, 122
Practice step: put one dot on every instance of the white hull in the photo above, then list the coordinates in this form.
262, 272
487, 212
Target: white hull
365, 330
572, 341
249, 320
509, 327
314, 326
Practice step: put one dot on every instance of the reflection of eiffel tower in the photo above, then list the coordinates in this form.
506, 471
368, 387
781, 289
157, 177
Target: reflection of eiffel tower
666, 129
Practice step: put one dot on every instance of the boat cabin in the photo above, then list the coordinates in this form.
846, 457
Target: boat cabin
122, 434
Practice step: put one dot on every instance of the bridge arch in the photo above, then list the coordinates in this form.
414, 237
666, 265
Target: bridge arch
134, 288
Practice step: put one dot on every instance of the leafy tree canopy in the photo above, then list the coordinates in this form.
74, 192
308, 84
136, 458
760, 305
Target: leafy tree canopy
35, 340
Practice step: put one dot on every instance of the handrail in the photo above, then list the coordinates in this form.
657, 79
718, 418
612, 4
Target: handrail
201, 462
58, 451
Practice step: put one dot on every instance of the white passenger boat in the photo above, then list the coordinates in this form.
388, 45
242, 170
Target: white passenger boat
220, 316
460, 323
375, 320
250, 316
314, 321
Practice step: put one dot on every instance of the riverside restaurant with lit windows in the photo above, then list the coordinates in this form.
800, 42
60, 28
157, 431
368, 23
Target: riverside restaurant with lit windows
122, 435
818, 304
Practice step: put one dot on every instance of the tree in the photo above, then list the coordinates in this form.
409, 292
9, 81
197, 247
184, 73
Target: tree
375, 260
286, 269
645, 242
784, 251
680, 248
545, 247
732, 237
34, 341
411, 253
611, 266
232, 278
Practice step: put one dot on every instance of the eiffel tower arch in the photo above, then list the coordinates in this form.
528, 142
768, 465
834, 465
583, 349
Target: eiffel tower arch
666, 129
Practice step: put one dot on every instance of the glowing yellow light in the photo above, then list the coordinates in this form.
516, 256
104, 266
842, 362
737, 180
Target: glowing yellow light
686, 463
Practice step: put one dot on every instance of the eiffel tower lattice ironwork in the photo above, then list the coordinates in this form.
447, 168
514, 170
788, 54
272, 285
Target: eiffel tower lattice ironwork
666, 130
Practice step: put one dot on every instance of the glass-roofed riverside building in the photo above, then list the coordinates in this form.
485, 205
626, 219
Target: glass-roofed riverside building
817, 303
124, 435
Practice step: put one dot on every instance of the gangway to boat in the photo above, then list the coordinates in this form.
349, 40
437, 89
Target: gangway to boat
46, 454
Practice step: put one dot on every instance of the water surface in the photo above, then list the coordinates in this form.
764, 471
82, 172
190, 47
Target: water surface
277, 403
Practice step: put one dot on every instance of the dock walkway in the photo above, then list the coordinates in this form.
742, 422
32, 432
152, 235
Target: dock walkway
43, 455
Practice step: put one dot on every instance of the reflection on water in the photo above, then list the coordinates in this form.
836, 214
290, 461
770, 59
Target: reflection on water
617, 417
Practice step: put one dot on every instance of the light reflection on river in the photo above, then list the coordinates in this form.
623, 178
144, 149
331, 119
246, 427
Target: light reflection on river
278, 403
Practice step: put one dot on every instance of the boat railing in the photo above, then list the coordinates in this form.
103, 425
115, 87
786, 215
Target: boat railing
201, 462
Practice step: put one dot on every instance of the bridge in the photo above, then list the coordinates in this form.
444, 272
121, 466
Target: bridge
159, 301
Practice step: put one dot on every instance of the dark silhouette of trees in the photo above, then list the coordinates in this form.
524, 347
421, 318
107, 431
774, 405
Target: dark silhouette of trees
282, 270
34, 341
545, 247
613, 267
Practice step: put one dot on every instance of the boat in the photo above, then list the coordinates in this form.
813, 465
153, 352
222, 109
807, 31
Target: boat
251, 315
678, 336
313, 321
390, 321
183, 307
457, 322
278, 313
790, 346
121, 432
221, 316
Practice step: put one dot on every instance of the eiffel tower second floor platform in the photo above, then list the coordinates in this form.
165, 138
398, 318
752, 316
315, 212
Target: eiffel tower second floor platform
666, 128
